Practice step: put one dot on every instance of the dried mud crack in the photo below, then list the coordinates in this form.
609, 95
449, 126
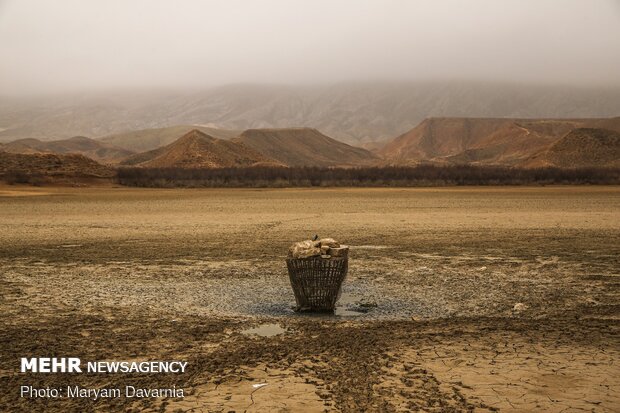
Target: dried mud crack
456, 299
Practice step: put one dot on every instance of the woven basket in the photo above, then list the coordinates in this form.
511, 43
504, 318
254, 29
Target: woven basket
316, 281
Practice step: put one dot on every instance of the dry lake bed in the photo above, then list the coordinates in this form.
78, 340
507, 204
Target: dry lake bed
457, 299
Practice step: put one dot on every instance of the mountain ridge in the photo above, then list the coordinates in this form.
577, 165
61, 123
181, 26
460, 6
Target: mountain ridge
482, 140
304, 147
196, 149
147, 139
354, 113
581, 148
91, 148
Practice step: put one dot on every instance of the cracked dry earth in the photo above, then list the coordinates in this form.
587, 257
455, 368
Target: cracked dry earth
428, 319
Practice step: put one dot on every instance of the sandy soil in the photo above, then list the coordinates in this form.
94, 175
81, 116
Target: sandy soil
427, 321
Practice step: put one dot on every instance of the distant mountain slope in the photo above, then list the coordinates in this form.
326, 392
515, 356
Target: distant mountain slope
196, 149
304, 147
148, 139
24, 146
582, 147
53, 165
482, 140
99, 151
350, 112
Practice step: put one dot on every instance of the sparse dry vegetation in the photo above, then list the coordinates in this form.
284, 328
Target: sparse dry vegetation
419, 176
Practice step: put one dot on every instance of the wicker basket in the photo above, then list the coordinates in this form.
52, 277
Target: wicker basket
316, 281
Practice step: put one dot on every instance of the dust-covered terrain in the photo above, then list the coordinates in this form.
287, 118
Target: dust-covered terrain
457, 299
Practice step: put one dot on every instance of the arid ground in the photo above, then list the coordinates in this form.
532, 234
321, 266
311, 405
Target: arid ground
457, 299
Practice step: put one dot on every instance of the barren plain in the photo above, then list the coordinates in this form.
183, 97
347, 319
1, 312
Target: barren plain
457, 299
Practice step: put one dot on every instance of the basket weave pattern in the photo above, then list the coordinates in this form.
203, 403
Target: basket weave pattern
316, 281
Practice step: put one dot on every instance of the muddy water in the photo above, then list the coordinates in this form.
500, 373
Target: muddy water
265, 330
357, 300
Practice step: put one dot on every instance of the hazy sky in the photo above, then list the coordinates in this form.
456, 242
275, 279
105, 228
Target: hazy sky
73, 45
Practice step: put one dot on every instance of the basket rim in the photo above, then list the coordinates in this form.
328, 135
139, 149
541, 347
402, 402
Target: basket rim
317, 257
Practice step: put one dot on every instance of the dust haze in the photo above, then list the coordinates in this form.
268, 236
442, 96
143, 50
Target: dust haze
74, 46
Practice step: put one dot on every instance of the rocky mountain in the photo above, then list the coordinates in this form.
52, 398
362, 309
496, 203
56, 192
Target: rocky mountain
355, 113
582, 147
196, 149
99, 151
482, 140
304, 147
148, 139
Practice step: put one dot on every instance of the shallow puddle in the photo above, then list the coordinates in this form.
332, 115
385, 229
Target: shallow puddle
349, 306
265, 330
349, 312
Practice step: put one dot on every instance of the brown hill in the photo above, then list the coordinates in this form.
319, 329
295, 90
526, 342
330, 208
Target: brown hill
304, 147
149, 139
199, 150
49, 166
582, 147
482, 140
98, 151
